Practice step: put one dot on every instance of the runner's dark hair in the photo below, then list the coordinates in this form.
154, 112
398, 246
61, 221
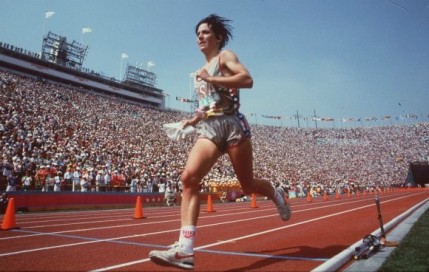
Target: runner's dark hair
220, 26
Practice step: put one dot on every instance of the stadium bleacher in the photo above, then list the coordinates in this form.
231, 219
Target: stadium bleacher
63, 128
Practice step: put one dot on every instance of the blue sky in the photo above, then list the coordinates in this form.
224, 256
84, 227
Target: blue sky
340, 58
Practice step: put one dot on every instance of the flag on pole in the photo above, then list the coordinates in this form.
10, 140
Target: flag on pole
49, 14
150, 64
86, 30
124, 55
185, 100
350, 119
272, 116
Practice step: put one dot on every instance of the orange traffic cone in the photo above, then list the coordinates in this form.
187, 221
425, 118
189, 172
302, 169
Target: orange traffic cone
337, 195
364, 193
9, 217
138, 211
253, 203
325, 196
358, 193
209, 204
309, 198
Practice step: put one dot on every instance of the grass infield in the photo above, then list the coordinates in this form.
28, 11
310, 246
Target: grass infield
412, 254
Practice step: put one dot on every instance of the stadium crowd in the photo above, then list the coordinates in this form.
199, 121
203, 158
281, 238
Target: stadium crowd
56, 137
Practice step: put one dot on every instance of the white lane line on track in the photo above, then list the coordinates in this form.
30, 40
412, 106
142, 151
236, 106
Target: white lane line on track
128, 225
152, 216
44, 217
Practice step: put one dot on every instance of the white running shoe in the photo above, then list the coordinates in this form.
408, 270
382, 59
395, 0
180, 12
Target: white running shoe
284, 209
172, 257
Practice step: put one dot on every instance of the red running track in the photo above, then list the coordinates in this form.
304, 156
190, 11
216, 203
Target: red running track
235, 237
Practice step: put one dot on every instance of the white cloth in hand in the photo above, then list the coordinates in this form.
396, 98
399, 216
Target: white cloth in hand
176, 131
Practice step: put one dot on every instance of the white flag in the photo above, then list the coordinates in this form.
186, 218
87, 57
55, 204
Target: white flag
124, 55
49, 14
86, 30
150, 64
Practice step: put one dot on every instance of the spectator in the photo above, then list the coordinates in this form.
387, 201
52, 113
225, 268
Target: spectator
77, 176
133, 184
99, 181
12, 182
7, 166
26, 181
49, 183
40, 178
170, 196
84, 183
116, 180
58, 181
107, 180
68, 177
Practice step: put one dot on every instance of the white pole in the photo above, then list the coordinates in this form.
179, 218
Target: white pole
48, 14
120, 70
190, 85
44, 26
123, 56
191, 80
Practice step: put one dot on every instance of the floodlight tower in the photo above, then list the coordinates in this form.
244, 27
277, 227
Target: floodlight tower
139, 76
56, 49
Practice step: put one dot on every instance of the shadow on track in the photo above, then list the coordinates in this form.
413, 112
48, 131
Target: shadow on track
303, 253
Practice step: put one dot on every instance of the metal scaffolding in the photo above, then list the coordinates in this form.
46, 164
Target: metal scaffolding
138, 77
56, 49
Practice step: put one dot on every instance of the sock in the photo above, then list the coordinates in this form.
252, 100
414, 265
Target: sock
186, 238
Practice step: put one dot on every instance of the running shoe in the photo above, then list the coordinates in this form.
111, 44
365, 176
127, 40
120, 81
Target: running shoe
172, 257
284, 209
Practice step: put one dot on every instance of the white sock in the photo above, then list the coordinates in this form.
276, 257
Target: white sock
187, 238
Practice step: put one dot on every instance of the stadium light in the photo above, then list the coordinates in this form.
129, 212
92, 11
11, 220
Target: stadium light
59, 50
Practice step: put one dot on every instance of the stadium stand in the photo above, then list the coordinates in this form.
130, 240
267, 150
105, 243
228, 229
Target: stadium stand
48, 129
